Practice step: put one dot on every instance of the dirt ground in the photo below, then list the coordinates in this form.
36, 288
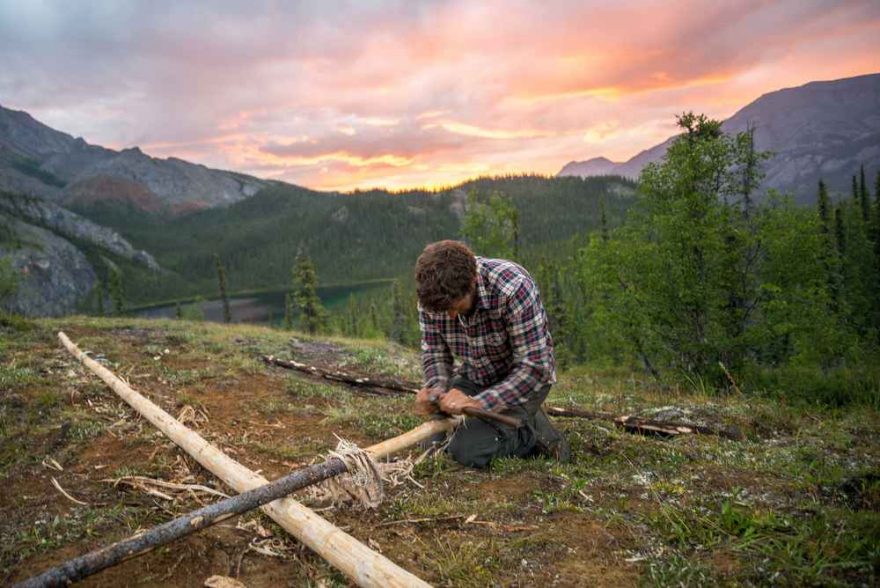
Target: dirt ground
794, 503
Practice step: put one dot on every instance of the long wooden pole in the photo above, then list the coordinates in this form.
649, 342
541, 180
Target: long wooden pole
344, 552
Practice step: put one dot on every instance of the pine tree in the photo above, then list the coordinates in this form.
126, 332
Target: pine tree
864, 199
221, 282
178, 311
312, 313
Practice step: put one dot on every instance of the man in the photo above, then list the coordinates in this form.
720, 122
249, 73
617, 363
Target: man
487, 314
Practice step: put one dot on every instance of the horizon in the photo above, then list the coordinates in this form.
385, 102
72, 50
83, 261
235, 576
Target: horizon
299, 94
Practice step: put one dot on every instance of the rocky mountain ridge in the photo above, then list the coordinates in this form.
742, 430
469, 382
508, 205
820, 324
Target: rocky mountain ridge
37, 160
819, 130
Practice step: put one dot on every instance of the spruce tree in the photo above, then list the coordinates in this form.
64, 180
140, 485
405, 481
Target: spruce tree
221, 283
178, 311
864, 199
312, 313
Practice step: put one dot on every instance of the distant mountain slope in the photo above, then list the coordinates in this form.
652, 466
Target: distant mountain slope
39, 161
58, 255
818, 130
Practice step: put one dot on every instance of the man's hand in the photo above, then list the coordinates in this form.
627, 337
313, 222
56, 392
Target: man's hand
426, 403
454, 401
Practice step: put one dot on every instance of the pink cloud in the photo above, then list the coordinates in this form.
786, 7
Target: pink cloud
340, 95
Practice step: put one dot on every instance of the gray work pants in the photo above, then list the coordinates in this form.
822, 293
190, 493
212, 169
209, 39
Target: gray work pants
476, 442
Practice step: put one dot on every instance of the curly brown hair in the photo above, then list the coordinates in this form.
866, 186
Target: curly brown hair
445, 272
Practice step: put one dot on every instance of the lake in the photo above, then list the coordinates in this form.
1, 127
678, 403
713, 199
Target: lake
263, 307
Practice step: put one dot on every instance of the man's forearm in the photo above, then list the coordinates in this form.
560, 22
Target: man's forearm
516, 387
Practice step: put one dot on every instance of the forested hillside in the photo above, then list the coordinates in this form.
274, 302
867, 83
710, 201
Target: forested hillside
349, 237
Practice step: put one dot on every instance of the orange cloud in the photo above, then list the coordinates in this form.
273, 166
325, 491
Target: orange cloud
408, 94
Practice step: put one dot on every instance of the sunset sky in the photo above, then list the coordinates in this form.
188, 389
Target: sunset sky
339, 95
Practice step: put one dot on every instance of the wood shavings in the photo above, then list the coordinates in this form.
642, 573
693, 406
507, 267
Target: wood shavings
155, 487
223, 582
192, 417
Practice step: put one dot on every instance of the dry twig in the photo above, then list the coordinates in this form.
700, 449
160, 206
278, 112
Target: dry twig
66, 495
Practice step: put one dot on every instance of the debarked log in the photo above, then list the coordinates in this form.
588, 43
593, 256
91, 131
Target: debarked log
357, 561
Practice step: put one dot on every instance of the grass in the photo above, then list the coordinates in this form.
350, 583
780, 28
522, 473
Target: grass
796, 503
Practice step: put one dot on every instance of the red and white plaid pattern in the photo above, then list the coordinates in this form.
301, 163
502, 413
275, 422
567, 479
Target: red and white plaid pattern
504, 345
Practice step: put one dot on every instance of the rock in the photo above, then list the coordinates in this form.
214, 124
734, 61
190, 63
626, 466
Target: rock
53, 275
68, 224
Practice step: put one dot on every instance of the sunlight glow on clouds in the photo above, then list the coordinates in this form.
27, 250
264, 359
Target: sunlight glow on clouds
338, 95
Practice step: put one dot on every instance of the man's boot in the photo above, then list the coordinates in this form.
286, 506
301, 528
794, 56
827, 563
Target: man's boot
550, 442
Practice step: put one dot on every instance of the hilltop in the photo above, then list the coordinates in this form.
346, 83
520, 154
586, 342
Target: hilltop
797, 499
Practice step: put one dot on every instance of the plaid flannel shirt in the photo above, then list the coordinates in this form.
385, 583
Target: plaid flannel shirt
504, 345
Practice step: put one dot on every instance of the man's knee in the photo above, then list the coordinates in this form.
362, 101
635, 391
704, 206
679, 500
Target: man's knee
475, 444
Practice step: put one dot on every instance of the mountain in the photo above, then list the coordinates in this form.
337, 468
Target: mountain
818, 130
58, 256
37, 160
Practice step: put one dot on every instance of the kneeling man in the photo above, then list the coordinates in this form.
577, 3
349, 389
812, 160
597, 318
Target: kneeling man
485, 315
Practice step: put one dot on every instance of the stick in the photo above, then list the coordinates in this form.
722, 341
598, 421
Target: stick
339, 376
636, 424
347, 554
386, 383
631, 424
730, 378
66, 495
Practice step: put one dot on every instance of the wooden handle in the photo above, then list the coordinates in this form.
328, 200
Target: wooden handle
493, 416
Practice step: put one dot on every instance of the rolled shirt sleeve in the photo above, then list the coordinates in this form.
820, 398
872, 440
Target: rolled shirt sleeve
437, 360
